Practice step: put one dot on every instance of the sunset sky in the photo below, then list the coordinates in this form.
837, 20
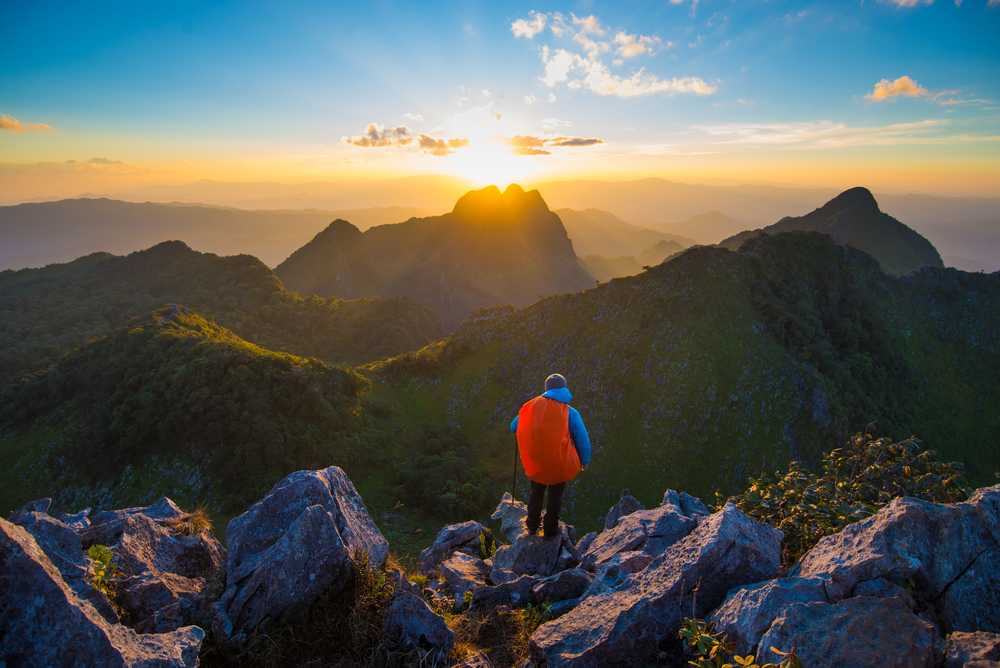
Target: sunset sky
903, 95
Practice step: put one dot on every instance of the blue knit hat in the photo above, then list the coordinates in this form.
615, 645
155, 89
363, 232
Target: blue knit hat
555, 382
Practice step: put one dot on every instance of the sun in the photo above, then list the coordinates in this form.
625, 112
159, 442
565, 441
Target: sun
493, 163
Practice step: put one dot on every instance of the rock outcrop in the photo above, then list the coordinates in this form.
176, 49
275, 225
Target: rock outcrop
410, 625
291, 546
461, 537
43, 622
628, 624
860, 631
626, 504
167, 577
972, 650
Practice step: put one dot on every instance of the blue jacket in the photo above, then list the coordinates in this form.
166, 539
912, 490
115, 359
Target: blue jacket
577, 430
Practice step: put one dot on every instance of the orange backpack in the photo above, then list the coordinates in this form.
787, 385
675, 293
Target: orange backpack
544, 443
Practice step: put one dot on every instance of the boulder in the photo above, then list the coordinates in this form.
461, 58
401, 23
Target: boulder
462, 573
690, 578
291, 546
626, 504
511, 515
516, 592
44, 623
651, 531
685, 504
882, 588
561, 586
972, 601
166, 577
451, 538
584, 543
972, 650
928, 543
748, 611
77, 521
532, 555
860, 631
105, 527
63, 548
411, 625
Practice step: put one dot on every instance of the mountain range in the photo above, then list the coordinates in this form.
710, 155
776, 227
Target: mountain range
492, 248
37, 234
715, 365
853, 218
46, 312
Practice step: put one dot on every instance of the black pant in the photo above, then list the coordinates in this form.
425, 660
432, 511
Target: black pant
551, 508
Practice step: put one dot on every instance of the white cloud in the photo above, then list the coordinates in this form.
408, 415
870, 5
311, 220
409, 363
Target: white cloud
553, 123
552, 98
904, 86
558, 64
831, 135
529, 27
588, 24
530, 99
414, 117
378, 136
632, 46
590, 73
909, 3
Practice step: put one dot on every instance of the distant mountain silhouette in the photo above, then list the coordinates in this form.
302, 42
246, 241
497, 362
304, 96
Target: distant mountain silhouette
493, 248
37, 234
705, 228
853, 218
605, 268
46, 312
597, 232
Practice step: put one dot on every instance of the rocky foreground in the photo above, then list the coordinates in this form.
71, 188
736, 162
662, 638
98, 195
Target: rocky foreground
917, 584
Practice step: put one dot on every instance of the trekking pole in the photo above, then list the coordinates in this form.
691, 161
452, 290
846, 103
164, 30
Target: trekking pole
513, 487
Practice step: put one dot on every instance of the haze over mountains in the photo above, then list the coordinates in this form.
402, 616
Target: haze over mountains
493, 248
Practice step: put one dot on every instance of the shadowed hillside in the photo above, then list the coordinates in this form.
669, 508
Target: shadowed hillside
493, 248
853, 218
46, 312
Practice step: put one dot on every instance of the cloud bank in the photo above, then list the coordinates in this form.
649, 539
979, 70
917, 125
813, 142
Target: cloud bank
11, 124
378, 136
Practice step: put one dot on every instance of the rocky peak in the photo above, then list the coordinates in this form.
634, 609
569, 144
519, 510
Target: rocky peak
857, 200
489, 203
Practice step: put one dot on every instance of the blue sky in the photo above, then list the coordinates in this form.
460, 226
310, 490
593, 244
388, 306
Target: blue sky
655, 87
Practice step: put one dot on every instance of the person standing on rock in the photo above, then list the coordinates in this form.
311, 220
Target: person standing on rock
554, 448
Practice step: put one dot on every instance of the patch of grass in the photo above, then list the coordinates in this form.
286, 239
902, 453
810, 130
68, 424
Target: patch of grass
193, 523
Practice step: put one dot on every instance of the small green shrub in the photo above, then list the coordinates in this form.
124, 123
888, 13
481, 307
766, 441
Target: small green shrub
487, 545
854, 482
419, 579
710, 649
102, 570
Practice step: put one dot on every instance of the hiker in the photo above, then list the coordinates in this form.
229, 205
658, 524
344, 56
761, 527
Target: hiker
554, 447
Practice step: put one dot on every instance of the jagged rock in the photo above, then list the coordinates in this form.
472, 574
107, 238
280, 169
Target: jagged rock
106, 526
166, 576
451, 538
77, 521
532, 555
584, 544
725, 550
463, 573
561, 586
37, 506
651, 531
626, 504
515, 592
63, 548
410, 624
477, 660
291, 546
972, 650
860, 631
686, 504
748, 611
972, 602
929, 543
511, 515
43, 622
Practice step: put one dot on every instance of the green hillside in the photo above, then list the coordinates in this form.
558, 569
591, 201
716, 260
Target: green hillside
173, 399
46, 312
718, 365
